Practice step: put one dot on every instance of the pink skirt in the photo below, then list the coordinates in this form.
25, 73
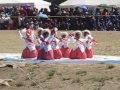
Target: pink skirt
65, 52
29, 54
37, 48
77, 54
39, 52
57, 54
89, 53
47, 55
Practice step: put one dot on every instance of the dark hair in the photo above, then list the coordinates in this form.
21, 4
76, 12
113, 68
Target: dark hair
85, 34
77, 35
45, 34
39, 32
63, 36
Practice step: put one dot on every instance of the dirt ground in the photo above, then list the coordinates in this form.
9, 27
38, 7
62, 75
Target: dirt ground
57, 76
63, 77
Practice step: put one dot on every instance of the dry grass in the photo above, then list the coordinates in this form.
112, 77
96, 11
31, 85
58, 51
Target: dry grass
108, 43
10, 42
72, 77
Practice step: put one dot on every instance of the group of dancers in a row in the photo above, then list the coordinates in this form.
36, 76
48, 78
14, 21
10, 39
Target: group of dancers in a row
46, 45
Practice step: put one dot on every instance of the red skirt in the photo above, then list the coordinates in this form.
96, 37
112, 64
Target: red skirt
65, 52
40, 53
47, 55
29, 54
77, 54
57, 54
37, 48
89, 53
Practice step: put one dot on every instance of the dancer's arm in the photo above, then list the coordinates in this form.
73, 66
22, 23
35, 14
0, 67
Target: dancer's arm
20, 35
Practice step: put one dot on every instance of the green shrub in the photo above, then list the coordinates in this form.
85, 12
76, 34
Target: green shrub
51, 72
66, 78
109, 66
19, 84
81, 73
34, 83
76, 80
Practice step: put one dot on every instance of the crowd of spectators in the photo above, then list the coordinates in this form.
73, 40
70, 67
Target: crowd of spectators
65, 19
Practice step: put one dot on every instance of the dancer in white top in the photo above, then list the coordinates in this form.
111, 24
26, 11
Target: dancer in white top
39, 45
30, 50
78, 50
47, 52
89, 41
64, 41
54, 41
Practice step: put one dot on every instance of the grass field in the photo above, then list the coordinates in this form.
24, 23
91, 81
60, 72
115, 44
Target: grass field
108, 43
59, 76
63, 77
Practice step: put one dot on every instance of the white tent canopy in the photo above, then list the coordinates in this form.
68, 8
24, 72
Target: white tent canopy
89, 2
72, 2
98, 2
117, 3
8, 1
38, 3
